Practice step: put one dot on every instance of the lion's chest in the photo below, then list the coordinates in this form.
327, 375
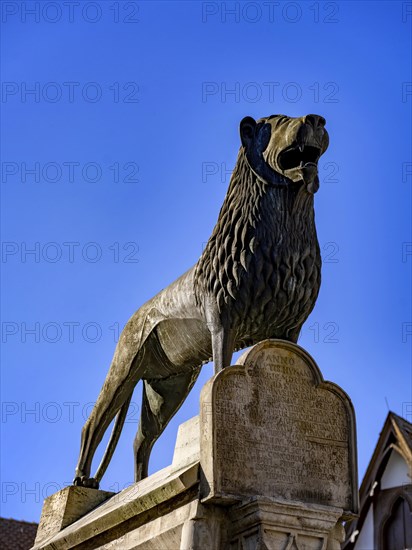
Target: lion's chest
278, 292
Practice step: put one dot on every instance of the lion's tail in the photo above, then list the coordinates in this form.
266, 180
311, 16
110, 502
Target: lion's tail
114, 438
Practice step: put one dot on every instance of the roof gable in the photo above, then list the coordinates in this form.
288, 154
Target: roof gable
395, 436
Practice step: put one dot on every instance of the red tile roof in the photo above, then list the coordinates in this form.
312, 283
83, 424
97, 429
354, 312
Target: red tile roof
16, 535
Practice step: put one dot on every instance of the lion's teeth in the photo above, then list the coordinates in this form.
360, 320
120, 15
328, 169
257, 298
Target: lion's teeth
301, 147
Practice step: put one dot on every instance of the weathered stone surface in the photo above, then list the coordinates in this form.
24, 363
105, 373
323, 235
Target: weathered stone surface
67, 506
273, 524
138, 503
190, 526
187, 448
271, 426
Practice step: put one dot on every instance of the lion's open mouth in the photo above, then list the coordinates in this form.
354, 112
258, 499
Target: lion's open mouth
298, 157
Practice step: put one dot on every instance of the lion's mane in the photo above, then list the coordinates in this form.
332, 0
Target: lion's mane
262, 261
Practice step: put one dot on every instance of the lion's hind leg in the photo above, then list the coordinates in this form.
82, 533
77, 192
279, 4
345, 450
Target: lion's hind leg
118, 387
162, 398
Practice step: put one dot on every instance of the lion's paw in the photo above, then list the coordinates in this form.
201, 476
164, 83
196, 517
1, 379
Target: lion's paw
84, 481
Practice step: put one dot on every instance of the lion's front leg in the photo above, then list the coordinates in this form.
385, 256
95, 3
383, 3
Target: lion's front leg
222, 346
223, 337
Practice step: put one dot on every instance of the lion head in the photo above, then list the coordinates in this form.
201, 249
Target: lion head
266, 226
281, 149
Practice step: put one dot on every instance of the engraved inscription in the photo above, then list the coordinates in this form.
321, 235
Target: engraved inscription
276, 433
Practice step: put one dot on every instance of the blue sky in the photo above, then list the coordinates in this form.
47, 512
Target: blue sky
119, 131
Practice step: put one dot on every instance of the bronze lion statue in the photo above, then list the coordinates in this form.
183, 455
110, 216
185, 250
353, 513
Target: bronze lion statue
258, 278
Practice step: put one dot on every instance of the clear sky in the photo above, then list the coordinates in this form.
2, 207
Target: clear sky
120, 128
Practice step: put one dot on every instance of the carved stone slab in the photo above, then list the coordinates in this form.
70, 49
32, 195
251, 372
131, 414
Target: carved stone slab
65, 507
187, 448
271, 426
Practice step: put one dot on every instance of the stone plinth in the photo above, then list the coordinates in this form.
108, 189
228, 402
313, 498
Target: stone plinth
65, 507
269, 464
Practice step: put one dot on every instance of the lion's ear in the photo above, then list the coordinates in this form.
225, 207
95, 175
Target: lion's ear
247, 131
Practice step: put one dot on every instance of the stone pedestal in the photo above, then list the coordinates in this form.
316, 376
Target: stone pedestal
269, 464
65, 507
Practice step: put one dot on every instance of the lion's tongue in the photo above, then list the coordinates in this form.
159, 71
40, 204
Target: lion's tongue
310, 177
309, 172
313, 186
